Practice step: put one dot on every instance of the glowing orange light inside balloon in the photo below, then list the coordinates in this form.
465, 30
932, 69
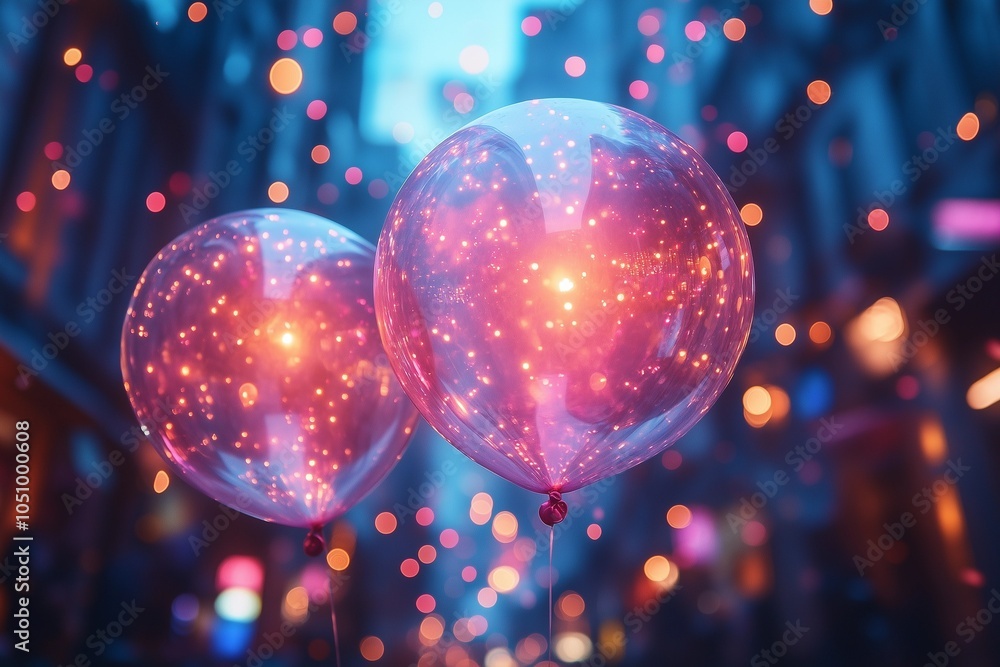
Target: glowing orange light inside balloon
968, 127
197, 12
72, 56
752, 214
734, 29
60, 179
819, 91
277, 192
344, 23
372, 649
679, 516
878, 219
285, 76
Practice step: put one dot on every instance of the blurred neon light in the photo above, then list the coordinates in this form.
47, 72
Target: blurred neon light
961, 223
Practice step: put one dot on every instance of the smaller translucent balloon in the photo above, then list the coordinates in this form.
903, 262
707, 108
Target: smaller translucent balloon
252, 358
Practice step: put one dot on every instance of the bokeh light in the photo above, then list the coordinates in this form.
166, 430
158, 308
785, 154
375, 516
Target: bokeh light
338, 559
575, 66
734, 29
503, 579
344, 23
756, 400
819, 92
155, 201
60, 179
820, 333
679, 516
285, 76
821, 7
638, 89
72, 56
737, 142
320, 154
197, 12
277, 192
161, 482
531, 26
878, 219
657, 568
784, 333
505, 527
695, 31
26, 201
474, 59
316, 109
569, 606
372, 649
386, 523
751, 214
648, 23
968, 127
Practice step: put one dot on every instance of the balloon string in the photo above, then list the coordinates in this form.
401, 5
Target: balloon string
333, 619
552, 533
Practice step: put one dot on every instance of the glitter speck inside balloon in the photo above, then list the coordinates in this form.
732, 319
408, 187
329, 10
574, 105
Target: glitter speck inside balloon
564, 288
251, 356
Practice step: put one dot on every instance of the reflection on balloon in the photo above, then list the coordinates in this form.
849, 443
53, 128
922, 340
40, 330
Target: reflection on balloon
252, 358
564, 289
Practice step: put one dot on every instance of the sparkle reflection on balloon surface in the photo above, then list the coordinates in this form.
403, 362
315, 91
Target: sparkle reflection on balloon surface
564, 289
252, 358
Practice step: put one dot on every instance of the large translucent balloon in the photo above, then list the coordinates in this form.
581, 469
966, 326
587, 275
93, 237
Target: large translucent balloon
564, 289
252, 358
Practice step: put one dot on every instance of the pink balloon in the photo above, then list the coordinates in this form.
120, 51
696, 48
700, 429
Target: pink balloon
252, 358
564, 289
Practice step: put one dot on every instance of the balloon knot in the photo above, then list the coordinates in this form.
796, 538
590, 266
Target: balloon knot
314, 543
553, 510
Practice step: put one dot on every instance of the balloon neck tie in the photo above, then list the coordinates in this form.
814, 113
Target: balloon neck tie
314, 543
553, 510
